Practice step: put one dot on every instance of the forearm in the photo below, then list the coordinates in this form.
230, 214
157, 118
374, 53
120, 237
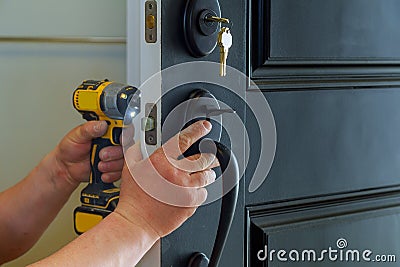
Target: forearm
30, 206
114, 242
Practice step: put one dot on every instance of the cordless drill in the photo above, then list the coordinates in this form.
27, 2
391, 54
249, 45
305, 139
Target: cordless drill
108, 101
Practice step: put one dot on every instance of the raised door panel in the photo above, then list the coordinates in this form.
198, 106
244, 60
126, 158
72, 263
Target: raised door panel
329, 142
311, 43
351, 229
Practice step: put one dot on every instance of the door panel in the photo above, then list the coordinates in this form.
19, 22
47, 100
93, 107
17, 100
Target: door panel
198, 233
333, 87
332, 30
329, 142
339, 224
319, 44
332, 81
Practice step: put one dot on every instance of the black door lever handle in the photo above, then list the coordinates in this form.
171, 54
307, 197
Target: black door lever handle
230, 172
217, 112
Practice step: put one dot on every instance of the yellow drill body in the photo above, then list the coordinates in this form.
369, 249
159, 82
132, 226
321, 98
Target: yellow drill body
108, 101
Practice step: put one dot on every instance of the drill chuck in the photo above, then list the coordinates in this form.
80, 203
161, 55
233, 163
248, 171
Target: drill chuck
114, 100
104, 100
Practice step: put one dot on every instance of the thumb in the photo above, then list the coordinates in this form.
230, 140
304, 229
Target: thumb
88, 131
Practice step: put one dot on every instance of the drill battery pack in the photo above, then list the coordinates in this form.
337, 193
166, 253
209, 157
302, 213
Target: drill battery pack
86, 218
98, 201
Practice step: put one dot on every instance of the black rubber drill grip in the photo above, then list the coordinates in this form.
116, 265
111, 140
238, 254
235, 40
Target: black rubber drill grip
95, 178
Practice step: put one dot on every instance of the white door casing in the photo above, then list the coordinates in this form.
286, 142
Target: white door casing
144, 61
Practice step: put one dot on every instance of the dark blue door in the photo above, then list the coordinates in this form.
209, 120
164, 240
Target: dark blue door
330, 71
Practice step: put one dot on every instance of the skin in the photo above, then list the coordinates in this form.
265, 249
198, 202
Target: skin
130, 231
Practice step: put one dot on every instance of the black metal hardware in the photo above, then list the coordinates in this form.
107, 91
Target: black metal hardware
203, 105
229, 167
201, 33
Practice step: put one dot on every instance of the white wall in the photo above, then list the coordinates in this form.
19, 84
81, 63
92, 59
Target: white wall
37, 82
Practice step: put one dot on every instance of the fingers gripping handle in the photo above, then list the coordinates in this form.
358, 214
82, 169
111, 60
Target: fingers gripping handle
95, 175
230, 171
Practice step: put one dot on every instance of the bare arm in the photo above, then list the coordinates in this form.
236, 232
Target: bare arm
114, 242
140, 220
31, 205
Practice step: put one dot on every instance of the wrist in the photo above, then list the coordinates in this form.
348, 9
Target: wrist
143, 235
131, 215
56, 173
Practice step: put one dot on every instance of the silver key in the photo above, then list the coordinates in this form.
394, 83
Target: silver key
224, 42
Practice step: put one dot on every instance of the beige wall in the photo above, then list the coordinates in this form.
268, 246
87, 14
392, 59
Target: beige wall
37, 81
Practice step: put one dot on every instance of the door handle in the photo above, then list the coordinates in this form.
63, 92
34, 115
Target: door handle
202, 104
229, 168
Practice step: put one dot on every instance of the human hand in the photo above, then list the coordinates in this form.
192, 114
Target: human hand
72, 155
191, 174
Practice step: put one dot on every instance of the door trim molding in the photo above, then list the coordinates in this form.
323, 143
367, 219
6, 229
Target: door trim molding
144, 61
268, 219
271, 74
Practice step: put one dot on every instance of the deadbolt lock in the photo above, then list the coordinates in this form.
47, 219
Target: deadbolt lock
202, 25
